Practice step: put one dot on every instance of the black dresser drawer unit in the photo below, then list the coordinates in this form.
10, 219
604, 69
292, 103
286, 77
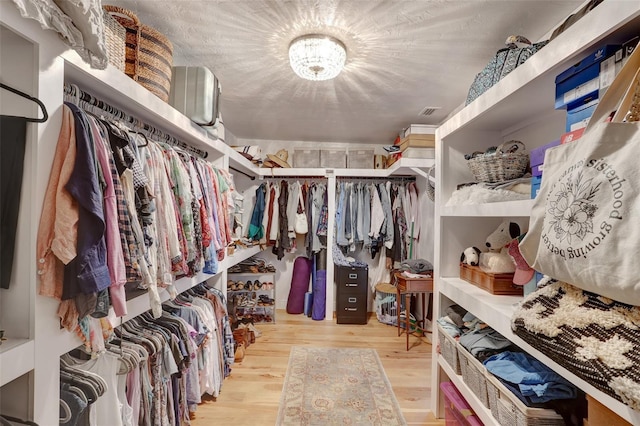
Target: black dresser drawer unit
351, 294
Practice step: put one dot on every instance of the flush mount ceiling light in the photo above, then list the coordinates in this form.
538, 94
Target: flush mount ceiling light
317, 57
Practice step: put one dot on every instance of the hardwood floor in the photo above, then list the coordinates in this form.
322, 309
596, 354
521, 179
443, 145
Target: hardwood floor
251, 395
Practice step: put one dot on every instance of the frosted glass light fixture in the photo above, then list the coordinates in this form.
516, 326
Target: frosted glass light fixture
317, 57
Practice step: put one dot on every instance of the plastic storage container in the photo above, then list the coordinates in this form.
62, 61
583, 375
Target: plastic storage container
457, 412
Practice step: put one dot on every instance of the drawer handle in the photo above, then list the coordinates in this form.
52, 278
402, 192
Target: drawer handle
353, 276
350, 309
353, 300
351, 284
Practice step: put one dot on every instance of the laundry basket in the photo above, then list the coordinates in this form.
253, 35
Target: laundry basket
385, 304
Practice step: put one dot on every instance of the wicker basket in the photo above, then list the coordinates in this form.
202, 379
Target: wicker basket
474, 374
507, 409
155, 60
431, 187
510, 161
131, 25
115, 36
449, 350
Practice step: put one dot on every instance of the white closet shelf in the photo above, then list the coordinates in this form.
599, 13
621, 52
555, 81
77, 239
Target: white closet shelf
17, 357
238, 256
239, 162
120, 91
404, 166
291, 171
478, 407
529, 90
520, 208
497, 311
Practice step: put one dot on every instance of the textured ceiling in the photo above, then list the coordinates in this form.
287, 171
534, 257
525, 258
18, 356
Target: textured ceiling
402, 56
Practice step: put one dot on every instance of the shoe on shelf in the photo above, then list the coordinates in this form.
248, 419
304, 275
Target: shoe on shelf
240, 353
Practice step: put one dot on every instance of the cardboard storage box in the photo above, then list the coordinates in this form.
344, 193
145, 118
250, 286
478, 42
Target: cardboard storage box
380, 161
306, 158
581, 83
360, 159
333, 158
417, 141
578, 118
536, 156
419, 153
572, 136
418, 129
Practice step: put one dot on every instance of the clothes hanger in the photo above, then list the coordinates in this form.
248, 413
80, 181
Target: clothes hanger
10, 421
65, 412
45, 116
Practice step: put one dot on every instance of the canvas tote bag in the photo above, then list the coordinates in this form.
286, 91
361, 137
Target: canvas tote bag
585, 223
301, 226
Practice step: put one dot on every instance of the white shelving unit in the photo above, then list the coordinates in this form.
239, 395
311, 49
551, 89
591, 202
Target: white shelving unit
521, 106
39, 63
265, 310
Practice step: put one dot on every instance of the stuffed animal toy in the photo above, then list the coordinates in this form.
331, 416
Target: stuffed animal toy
470, 256
497, 259
499, 239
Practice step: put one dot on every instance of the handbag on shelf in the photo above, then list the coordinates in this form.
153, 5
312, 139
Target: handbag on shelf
583, 228
301, 226
505, 60
574, 17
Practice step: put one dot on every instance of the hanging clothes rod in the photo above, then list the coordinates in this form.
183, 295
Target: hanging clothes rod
242, 173
379, 179
295, 177
92, 104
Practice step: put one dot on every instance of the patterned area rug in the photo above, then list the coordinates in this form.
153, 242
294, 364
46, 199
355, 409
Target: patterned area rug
331, 386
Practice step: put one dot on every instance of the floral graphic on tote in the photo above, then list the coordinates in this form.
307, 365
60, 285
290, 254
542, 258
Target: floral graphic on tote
573, 209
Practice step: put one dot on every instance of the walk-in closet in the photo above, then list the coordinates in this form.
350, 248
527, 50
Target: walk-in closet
319, 212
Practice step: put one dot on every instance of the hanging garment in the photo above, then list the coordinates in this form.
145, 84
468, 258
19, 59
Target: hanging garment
115, 256
283, 242
87, 272
265, 215
256, 231
13, 132
57, 231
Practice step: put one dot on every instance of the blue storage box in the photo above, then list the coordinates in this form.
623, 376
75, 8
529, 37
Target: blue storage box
535, 186
580, 83
578, 118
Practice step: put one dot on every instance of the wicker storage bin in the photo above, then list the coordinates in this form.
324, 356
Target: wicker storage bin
449, 350
131, 24
155, 62
360, 159
333, 158
507, 409
510, 161
474, 375
306, 158
115, 39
